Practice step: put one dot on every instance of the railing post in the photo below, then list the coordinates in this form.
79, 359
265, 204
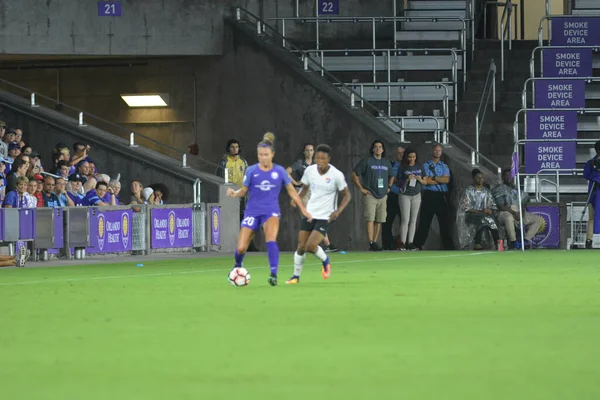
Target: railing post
473, 157
238, 14
226, 175
352, 100
131, 140
402, 136
259, 28
494, 92
81, 122
33, 100
477, 134
305, 61
184, 161
283, 30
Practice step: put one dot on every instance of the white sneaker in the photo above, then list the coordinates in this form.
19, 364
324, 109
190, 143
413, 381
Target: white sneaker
21, 257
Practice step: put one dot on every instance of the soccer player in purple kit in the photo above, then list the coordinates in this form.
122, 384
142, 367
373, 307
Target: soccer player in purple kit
264, 181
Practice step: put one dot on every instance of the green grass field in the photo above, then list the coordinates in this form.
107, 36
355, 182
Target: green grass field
417, 325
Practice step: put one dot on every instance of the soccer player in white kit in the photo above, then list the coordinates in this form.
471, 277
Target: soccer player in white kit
325, 183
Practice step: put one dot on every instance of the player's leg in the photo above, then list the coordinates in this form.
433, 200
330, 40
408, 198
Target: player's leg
312, 246
590, 228
300, 255
271, 229
249, 226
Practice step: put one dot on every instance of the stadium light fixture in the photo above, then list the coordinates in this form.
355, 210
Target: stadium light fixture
146, 100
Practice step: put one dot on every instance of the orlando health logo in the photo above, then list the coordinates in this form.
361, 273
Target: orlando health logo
125, 226
172, 228
101, 231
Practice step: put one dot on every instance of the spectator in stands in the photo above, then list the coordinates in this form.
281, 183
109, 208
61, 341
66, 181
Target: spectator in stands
3, 145
39, 179
50, 198
136, 192
60, 189
409, 181
232, 163
507, 200
26, 150
9, 136
80, 153
13, 150
436, 176
478, 209
16, 198
92, 170
95, 198
62, 169
116, 188
161, 193
76, 193
19, 137
393, 209
591, 172
32, 199
4, 166
19, 169
373, 176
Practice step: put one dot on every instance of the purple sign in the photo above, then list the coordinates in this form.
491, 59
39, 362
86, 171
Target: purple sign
549, 155
26, 224
567, 62
549, 233
109, 8
551, 125
559, 93
579, 31
110, 231
215, 225
171, 228
329, 7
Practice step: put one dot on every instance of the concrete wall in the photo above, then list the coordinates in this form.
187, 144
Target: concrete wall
146, 27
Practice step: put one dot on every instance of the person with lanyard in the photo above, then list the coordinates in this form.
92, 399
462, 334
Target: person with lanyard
435, 189
388, 240
373, 176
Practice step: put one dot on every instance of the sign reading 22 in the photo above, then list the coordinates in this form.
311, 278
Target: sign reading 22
331, 7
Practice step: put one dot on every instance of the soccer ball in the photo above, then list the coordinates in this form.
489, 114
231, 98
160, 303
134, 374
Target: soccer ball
239, 277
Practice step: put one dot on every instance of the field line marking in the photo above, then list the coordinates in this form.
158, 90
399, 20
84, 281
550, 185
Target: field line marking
201, 271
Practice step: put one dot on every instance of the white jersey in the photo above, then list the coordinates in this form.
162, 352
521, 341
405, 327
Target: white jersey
323, 190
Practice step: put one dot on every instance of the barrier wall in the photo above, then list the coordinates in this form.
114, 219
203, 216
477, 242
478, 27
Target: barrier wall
75, 231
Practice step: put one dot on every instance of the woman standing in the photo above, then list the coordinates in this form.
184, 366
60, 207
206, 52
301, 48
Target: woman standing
409, 180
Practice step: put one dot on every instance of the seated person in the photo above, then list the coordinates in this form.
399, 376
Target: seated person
95, 197
75, 190
507, 198
478, 209
18, 198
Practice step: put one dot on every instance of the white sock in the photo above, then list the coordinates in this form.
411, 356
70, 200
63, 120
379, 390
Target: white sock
320, 254
298, 263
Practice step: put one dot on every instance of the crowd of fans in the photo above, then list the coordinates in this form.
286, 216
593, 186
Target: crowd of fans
73, 178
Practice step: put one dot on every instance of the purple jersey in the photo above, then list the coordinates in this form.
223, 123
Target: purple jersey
264, 188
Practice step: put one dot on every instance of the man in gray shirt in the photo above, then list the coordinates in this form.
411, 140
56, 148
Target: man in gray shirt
373, 176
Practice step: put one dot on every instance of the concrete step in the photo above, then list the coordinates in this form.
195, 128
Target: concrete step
437, 4
440, 13
429, 25
428, 35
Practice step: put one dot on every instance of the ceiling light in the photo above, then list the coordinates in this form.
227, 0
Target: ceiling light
146, 100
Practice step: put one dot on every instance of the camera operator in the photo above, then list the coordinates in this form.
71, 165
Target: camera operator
591, 172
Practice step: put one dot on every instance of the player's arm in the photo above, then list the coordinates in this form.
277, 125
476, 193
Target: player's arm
289, 171
346, 197
301, 194
296, 199
237, 193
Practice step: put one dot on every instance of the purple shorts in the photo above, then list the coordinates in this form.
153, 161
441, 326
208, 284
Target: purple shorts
256, 222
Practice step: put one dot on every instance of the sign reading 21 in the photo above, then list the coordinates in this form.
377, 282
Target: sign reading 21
329, 7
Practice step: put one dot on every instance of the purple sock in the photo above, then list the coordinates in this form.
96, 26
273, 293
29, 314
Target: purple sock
239, 259
273, 253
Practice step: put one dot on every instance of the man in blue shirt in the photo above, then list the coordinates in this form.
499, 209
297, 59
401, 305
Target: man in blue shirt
393, 207
435, 189
50, 198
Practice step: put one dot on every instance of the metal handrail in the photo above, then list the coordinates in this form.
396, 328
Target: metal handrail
538, 181
475, 156
573, 78
498, 5
522, 142
422, 118
581, 111
540, 48
389, 85
490, 88
389, 54
374, 21
84, 117
309, 64
503, 29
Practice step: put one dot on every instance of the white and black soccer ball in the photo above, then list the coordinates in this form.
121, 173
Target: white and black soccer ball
239, 277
